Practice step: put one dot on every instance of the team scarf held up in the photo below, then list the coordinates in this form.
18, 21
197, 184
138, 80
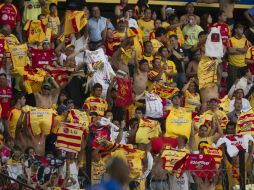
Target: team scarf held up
165, 92
202, 165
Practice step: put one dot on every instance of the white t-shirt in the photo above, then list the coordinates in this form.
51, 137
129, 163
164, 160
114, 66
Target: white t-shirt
235, 143
181, 183
154, 107
80, 43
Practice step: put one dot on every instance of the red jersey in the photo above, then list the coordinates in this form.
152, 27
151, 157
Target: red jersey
100, 132
41, 58
224, 31
5, 100
9, 15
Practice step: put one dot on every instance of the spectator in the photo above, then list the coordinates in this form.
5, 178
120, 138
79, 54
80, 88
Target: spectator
6, 95
206, 22
189, 8
96, 25
237, 49
32, 9
239, 95
146, 24
160, 35
234, 115
120, 7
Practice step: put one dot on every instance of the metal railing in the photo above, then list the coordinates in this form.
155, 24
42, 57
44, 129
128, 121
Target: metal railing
7, 183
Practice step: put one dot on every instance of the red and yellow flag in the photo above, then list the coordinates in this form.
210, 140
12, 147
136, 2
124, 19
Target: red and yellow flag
164, 92
124, 92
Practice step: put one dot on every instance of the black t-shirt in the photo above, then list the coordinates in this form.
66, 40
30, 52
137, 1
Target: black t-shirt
178, 63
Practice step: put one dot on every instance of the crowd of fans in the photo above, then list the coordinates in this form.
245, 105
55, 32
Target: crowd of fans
148, 99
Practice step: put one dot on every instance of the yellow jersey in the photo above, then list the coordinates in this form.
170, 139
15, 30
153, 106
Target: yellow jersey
156, 45
19, 56
13, 118
191, 101
150, 60
198, 140
146, 27
98, 105
36, 30
169, 67
147, 129
54, 24
237, 60
32, 9
207, 72
178, 122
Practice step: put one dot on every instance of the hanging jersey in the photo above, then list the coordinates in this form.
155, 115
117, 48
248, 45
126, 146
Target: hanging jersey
69, 137
245, 123
98, 105
169, 67
224, 31
97, 171
77, 116
13, 117
19, 56
32, 9
147, 129
170, 157
207, 72
36, 30
178, 122
216, 153
40, 120
9, 15
5, 101
124, 92
8, 41
41, 58
235, 143
146, 27
154, 107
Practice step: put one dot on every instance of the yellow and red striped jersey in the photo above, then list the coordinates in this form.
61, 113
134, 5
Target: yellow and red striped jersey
69, 137
245, 123
216, 153
98, 105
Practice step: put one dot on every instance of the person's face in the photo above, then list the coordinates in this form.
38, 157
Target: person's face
130, 13
190, 8
113, 94
144, 67
176, 101
121, 26
97, 92
109, 116
192, 87
148, 48
53, 9
148, 14
238, 105
210, 19
165, 53
213, 105
110, 34
23, 101
71, 105
239, 31
139, 114
41, 17
69, 51
46, 46
10, 144
157, 24
96, 12
203, 131
157, 63
175, 21
3, 81
192, 20
230, 129
7, 29
45, 91
62, 98
223, 17
239, 94
173, 41
31, 152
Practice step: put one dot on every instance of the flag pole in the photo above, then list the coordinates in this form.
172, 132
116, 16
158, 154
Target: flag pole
242, 169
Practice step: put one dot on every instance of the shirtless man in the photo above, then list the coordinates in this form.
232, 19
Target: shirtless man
226, 5
48, 96
140, 76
